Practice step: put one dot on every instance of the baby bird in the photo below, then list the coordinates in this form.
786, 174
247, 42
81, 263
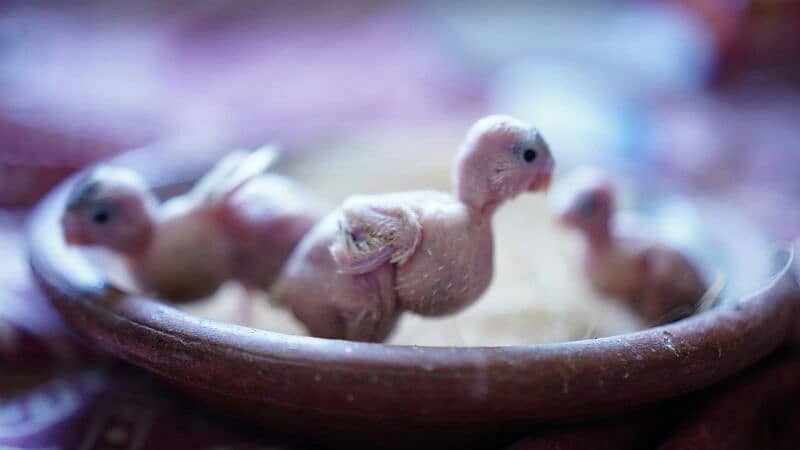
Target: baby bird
427, 252
656, 281
236, 223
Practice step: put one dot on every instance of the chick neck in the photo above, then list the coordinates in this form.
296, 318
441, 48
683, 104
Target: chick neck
472, 186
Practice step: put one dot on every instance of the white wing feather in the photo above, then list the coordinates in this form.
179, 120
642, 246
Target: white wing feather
232, 172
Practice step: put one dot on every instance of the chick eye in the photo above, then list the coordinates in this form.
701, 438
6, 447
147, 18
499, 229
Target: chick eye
588, 207
101, 214
101, 217
529, 155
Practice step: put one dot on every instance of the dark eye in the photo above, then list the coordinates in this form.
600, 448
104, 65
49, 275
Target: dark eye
101, 214
529, 155
101, 217
588, 207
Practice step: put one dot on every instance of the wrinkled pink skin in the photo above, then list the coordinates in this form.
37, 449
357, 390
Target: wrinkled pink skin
181, 251
657, 282
332, 304
444, 252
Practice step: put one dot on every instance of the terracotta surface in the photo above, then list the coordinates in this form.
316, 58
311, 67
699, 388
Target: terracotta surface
369, 391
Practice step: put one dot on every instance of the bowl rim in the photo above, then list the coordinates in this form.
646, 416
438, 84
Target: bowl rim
278, 374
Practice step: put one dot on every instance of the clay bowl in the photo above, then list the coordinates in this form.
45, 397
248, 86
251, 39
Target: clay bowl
337, 391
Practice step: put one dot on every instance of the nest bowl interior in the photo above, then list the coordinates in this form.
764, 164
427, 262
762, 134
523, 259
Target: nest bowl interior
339, 391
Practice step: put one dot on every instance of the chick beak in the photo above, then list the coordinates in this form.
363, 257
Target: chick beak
72, 232
543, 181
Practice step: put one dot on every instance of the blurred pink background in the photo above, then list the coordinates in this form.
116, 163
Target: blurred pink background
702, 89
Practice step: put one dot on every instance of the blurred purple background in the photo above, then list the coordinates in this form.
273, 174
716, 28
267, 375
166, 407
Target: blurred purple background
703, 92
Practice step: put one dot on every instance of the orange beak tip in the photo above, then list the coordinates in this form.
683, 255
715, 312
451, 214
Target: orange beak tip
72, 236
71, 239
543, 183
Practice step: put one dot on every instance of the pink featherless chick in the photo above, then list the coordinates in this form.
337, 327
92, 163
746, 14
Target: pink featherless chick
236, 223
657, 282
427, 252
